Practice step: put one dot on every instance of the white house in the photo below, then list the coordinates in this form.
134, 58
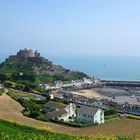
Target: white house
59, 111
60, 114
71, 109
89, 115
87, 81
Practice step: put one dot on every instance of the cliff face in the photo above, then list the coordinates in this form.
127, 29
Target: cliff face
37, 69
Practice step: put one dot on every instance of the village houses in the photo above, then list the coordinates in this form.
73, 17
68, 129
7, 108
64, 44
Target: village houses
56, 95
65, 84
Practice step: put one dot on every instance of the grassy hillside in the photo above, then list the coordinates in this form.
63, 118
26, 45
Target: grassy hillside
36, 70
27, 75
13, 131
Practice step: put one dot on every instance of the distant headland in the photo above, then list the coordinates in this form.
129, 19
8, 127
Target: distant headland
29, 67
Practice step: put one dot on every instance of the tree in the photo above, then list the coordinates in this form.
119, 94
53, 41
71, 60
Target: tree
8, 84
27, 87
3, 77
110, 112
19, 86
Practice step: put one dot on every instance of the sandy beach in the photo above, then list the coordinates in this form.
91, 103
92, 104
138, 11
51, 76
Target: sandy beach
88, 94
121, 95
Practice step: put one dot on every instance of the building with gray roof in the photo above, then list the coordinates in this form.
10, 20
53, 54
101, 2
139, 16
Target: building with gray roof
87, 115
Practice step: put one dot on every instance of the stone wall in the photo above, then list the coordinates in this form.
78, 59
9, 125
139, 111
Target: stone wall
24, 54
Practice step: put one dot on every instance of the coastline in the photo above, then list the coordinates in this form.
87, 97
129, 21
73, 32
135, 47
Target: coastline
88, 93
115, 94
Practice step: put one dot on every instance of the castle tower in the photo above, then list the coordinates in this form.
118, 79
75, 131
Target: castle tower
24, 55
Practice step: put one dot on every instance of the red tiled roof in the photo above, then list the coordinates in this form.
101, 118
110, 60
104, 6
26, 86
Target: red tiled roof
57, 95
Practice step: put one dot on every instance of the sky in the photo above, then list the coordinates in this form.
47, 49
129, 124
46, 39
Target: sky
71, 27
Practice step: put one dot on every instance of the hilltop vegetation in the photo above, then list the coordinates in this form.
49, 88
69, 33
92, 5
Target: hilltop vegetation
28, 74
14, 131
36, 71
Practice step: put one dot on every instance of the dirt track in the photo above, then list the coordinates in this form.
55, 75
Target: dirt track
11, 110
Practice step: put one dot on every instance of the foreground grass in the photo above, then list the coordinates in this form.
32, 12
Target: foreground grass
14, 131
108, 117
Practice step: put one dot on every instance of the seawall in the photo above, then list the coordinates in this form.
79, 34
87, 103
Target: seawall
121, 83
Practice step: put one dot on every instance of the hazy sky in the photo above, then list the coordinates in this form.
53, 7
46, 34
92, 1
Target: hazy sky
71, 27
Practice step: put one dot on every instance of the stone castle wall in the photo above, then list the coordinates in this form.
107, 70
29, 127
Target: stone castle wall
24, 54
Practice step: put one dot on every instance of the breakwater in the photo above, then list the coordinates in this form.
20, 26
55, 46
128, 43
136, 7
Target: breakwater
121, 83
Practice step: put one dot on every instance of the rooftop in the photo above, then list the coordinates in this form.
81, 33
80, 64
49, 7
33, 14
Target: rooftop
57, 95
56, 113
52, 104
88, 110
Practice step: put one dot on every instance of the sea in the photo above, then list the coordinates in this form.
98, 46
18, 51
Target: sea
105, 68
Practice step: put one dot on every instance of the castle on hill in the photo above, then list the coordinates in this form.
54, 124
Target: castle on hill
24, 55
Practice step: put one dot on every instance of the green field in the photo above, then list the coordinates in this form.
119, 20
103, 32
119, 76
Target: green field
14, 131
19, 94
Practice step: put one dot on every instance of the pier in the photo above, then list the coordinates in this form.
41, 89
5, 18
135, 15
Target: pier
121, 83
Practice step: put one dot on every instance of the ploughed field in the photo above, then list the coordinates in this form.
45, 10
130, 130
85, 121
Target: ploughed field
11, 110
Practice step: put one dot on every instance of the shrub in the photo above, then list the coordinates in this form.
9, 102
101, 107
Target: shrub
2, 91
133, 117
110, 112
8, 84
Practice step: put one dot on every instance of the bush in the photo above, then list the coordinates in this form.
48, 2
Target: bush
26, 113
2, 91
110, 112
8, 84
24, 77
32, 109
42, 117
133, 117
3, 77
19, 87
108, 117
